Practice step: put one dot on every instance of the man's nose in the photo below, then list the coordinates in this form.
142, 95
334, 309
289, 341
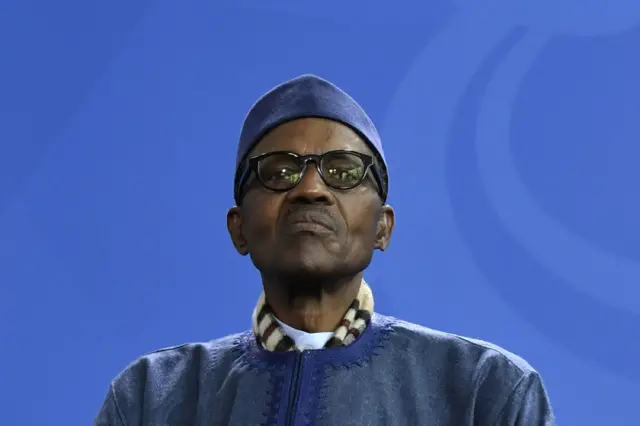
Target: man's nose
311, 188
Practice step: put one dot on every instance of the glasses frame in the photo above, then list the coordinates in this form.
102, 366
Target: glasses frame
251, 167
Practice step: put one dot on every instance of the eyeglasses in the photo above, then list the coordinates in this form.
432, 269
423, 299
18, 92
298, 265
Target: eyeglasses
282, 170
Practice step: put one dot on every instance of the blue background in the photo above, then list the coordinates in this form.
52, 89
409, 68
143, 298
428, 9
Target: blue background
511, 129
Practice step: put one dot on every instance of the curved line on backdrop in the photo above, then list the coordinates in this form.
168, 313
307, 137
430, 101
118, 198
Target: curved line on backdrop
614, 277
436, 82
575, 320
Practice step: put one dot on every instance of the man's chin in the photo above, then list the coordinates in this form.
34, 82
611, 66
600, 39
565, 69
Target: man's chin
310, 266
309, 247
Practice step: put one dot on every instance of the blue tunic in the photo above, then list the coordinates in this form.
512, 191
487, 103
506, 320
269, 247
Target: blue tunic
396, 373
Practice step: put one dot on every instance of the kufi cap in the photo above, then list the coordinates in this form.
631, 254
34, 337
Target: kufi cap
306, 96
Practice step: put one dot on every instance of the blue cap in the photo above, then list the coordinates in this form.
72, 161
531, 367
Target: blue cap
304, 97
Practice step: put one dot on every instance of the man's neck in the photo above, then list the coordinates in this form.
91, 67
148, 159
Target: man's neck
312, 311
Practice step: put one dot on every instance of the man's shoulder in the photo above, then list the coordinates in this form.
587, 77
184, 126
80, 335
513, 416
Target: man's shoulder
221, 346
160, 378
453, 348
180, 360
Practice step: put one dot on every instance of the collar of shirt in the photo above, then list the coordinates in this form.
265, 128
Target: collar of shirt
306, 340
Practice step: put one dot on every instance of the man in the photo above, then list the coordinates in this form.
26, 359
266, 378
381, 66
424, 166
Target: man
310, 192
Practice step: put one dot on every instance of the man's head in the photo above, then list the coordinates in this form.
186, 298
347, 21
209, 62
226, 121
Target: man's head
311, 185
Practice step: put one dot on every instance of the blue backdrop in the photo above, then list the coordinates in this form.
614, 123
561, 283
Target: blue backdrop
512, 132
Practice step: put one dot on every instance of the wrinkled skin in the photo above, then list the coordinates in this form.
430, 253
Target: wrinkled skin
311, 238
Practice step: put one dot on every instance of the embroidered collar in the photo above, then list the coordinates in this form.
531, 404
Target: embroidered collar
272, 338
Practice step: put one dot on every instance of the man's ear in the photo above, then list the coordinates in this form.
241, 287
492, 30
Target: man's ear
234, 226
386, 223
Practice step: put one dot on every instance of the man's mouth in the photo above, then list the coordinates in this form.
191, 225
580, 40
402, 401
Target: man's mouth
309, 227
310, 221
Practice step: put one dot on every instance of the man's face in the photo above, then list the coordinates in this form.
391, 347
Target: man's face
311, 231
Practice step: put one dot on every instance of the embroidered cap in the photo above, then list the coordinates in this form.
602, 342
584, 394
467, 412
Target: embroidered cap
306, 96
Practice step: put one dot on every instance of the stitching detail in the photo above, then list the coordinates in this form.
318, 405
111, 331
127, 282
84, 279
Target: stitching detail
276, 372
248, 350
509, 398
115, 403
319, 390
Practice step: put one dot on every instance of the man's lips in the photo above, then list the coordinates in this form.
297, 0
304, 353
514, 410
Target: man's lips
310, 220
311, 227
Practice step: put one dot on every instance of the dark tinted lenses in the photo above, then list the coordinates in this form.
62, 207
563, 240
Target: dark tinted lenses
340, 170
280, 171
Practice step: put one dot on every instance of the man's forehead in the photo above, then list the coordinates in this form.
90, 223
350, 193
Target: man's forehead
311, 136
